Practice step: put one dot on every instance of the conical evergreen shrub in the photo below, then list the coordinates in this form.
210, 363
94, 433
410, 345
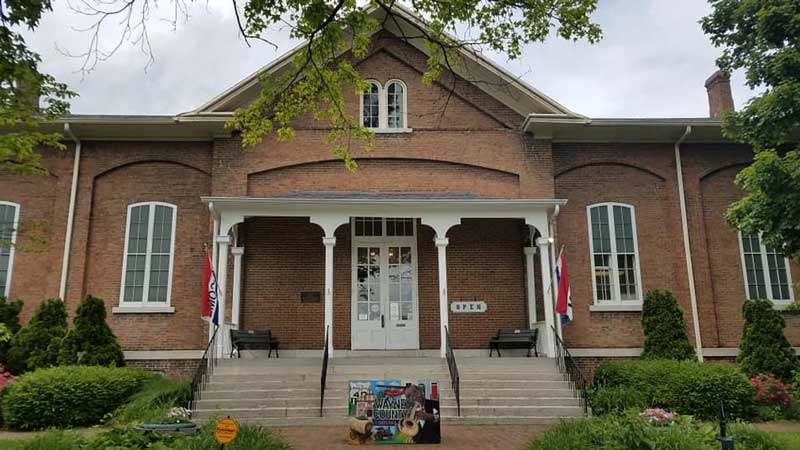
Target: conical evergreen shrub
9, 322
91, 341
764, 348
38, 344
665, 335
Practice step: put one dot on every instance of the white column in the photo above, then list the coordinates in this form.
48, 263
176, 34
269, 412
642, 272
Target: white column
222, 278
237, 286
544, 258
441, 246
329, 242
530, 278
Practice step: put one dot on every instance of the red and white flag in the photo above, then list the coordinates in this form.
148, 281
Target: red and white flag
210, 306
564, 301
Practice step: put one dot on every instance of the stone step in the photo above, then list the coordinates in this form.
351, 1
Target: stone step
534, 391
285, 402
298, 411
217, 385
510, 401
521, 385
274, 422
512, 411
331, 378
263, 393
489, 420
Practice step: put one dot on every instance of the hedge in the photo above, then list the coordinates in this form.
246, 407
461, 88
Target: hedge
687, 387
69, 396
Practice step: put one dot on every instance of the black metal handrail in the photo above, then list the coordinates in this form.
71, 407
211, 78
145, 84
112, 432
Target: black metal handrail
455, 380
324, 376
572, 373
204, 370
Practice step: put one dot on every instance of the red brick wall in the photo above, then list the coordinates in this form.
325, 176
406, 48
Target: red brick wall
638, 175
485, 262
174, 368
385, 175
43, 201
113, 192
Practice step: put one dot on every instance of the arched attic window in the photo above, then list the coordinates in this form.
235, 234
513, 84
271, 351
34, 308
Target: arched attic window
396, 104
370, 106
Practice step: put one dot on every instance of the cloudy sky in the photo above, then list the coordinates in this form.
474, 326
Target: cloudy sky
652, 61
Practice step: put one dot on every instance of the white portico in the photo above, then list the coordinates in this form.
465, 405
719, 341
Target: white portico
387, 318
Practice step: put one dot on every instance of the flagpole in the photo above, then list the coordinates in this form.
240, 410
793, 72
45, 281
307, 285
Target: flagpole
553, 265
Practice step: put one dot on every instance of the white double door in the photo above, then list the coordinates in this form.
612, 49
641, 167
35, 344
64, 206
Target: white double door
385, 305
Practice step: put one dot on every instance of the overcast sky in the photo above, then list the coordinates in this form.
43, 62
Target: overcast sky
652, 61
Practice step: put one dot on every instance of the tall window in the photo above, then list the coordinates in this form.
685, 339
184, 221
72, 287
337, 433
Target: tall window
384, 108
766, 272
149, 247
615, 254
9, 219
370, 106
395, 103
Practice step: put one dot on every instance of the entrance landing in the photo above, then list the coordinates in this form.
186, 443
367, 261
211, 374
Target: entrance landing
286, 391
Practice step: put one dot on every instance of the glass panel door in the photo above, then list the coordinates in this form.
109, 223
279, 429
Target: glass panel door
401, 322
368, 323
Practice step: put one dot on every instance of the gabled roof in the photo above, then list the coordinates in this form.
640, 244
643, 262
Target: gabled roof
508, 89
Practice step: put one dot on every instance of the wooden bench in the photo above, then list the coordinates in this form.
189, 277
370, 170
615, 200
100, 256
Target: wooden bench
514, 339
248, 337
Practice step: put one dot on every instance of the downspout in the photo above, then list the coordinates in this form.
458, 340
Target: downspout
73, 193
687, 245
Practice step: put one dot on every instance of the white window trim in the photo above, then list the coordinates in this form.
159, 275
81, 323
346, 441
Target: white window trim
145, 306
383, 108
614, 278
17, 209
762, 250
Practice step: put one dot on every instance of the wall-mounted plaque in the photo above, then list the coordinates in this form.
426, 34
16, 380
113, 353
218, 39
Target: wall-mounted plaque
310, 297
473, 306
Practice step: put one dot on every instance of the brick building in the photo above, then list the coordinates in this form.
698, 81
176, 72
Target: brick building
466, 196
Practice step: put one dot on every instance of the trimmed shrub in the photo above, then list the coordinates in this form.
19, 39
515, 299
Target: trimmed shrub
764, 348
687, 387
665, 335
38, 344
69, 396
91, 342
626, 432
631, 432
9, 325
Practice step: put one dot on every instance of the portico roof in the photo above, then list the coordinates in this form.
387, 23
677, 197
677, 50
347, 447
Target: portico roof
329, 209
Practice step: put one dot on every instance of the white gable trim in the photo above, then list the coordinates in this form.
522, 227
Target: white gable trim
516, 93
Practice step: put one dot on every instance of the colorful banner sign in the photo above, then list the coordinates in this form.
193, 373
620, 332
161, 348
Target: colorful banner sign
394, 412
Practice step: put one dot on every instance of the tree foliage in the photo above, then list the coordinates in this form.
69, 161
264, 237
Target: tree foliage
665, 335
320, 72
764, 348
763, 38
91, 341
38, 344
27, 96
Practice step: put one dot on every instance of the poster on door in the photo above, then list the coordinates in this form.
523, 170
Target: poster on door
393, 412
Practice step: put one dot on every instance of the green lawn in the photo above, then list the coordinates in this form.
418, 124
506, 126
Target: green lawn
792, 440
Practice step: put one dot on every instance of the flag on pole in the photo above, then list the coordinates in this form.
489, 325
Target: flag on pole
564, 301
210, 306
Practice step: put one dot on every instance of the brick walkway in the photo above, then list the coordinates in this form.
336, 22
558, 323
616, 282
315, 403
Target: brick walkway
453, 437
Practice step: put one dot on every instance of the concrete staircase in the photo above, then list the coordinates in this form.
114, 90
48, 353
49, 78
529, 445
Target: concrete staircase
285, 391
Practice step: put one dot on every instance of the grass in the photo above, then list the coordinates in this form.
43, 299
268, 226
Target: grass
791, 440
124, 438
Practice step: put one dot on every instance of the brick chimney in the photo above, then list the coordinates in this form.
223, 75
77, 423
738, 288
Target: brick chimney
720, 98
